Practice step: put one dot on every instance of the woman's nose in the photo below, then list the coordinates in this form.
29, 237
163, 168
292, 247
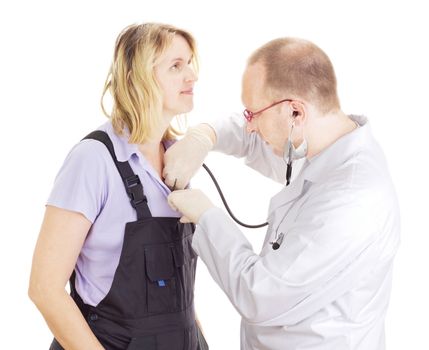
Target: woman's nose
191, 75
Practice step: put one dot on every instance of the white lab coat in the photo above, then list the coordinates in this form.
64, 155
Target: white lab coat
328, 285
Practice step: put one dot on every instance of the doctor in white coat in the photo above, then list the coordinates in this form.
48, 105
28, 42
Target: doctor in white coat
335, 226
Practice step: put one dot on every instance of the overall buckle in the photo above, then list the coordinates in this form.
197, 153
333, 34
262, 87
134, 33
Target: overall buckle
135, 190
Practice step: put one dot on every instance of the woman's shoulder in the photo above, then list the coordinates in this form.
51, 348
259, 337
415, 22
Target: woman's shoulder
82, 183
88, 152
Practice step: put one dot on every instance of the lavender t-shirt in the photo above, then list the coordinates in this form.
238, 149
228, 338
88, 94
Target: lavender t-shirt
89, 183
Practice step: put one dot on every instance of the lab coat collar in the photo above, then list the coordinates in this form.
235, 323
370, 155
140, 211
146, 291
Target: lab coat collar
320, 166
287, 194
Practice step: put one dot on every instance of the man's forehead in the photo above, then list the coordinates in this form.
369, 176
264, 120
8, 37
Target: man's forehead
255, 70
253, 84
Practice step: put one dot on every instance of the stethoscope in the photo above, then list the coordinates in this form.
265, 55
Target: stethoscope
291, 153
275, 244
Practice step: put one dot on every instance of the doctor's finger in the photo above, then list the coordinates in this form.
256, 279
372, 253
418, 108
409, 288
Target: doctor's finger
181, 181
175, 198
185, 220
171, 202
168, 179
175, 182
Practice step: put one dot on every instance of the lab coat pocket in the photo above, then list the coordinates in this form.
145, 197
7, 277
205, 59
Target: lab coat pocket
161, 278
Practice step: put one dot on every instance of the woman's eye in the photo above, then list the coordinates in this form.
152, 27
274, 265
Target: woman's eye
176, 66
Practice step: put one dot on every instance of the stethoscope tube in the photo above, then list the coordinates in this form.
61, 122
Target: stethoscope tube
226, 204
288, 176
275, 244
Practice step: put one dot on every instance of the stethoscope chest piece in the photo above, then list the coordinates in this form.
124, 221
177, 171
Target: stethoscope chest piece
276, 244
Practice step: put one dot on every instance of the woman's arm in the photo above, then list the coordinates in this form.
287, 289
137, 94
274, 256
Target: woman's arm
60, 240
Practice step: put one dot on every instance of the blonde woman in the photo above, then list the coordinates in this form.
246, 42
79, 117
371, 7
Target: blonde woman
108, 227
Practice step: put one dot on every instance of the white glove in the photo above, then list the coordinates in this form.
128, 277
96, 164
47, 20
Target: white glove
191, 203
183, 159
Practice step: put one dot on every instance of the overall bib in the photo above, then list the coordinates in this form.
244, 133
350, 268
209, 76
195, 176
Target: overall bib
150, 303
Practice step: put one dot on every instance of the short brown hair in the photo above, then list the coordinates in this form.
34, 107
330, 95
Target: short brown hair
299, 68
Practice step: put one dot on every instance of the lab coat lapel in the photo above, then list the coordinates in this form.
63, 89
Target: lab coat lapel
279, 205
286, 196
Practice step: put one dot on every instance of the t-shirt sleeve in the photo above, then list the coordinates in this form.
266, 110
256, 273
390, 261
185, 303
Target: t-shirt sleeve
81, 183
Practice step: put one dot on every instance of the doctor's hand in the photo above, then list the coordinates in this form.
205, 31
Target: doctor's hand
191, 203
183, 159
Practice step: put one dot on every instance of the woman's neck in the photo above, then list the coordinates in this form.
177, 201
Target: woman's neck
154, 154
153, 149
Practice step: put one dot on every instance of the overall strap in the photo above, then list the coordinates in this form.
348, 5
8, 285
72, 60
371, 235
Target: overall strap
132, 182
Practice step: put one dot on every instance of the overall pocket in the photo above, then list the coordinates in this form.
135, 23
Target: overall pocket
161, 278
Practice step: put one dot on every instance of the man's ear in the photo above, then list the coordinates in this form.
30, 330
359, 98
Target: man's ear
298, 111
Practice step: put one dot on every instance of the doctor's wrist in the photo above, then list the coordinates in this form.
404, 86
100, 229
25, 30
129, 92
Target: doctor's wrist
204, 134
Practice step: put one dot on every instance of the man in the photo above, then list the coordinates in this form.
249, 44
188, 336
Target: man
323, 277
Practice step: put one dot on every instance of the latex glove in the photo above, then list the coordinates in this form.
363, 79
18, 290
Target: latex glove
191, 203
183, 159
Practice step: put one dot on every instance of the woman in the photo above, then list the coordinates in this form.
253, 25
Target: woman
108, 226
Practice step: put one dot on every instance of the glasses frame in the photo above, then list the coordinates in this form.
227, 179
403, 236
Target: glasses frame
249, 115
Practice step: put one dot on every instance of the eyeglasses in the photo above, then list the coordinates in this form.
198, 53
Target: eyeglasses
249, 115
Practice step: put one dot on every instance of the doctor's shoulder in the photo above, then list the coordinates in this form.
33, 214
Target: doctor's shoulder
359, 187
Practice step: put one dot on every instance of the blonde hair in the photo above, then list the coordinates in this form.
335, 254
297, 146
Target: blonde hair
137, 96
299, 68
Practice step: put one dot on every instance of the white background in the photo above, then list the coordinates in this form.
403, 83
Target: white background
54, 58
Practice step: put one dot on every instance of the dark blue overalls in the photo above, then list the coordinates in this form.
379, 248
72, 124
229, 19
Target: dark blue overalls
150, 304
